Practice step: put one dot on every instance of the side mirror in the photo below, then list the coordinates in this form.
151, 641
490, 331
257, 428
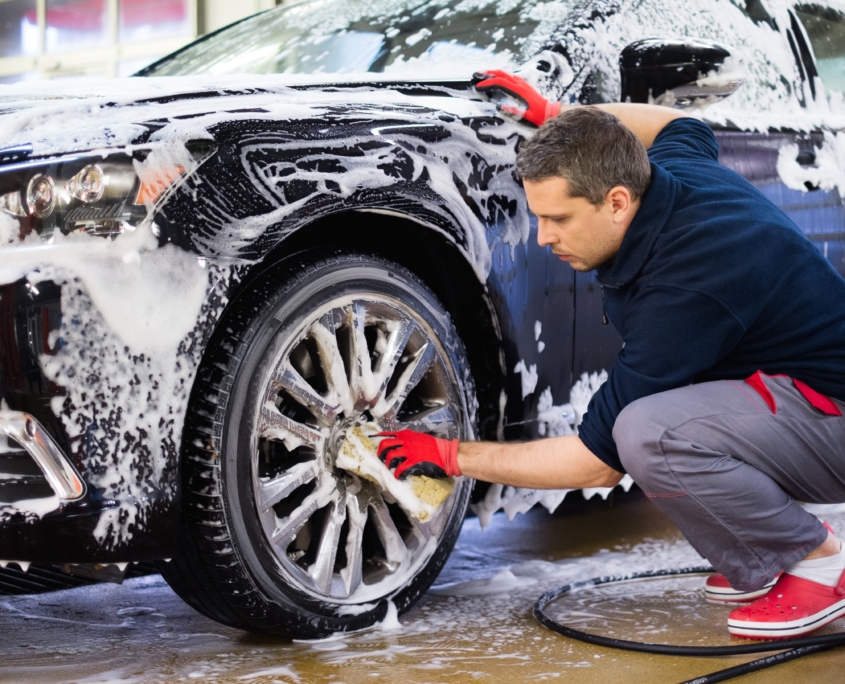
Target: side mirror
679, 73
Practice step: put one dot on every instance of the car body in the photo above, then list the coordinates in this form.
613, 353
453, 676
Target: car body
143, 217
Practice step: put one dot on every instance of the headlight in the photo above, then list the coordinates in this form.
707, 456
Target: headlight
89, 184
103, 196
41, 196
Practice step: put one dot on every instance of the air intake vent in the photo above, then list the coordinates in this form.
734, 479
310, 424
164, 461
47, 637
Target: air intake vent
20, 476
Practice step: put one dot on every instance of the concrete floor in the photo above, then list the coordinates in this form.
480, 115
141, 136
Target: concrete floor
475, 626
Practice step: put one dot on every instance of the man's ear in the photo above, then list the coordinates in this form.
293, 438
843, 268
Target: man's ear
619, 201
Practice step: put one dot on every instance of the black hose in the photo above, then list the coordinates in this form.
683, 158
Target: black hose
791, 648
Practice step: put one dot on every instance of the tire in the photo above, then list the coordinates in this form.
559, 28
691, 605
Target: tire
274, 536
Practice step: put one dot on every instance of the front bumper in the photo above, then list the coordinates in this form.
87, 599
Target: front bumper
51, 507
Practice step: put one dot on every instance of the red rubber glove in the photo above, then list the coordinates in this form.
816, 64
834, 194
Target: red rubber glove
413, 453
536, 110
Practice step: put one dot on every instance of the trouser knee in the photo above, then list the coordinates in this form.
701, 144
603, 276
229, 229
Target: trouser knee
637, 434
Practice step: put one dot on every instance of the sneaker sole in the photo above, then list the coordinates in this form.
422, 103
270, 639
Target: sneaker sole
783, 630
728, 595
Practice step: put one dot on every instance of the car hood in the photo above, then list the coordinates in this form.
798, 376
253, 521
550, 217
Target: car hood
89, 114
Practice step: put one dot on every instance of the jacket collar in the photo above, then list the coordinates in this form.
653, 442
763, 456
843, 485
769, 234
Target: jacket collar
639, 239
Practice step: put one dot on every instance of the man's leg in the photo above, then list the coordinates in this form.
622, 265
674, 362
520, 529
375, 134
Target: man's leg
727, 471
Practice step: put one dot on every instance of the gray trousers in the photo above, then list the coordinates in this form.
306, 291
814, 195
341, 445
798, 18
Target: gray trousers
728, 471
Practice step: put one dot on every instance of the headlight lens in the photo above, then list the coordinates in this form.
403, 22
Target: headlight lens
87, 185
41, 196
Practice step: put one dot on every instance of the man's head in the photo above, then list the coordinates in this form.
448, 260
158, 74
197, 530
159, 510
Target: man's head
584, 174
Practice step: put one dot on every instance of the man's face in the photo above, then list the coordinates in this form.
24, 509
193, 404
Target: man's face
582, 234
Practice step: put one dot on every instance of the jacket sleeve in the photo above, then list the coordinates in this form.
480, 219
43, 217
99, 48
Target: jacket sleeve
684, 138
685, 333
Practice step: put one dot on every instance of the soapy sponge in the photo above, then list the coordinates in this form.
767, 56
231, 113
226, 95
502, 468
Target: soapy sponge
419, 496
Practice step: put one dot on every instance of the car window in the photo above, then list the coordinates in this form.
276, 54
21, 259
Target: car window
826, 30
419, 38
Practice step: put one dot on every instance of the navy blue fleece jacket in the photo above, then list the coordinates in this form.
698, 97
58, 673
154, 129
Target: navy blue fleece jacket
712, 281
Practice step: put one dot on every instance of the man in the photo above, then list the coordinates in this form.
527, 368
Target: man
726, 401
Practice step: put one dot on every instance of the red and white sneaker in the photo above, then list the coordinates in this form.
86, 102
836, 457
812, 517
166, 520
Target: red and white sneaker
793, 607
717, 588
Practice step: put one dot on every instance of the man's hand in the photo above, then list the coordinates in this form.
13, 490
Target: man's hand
536, 109
413, 453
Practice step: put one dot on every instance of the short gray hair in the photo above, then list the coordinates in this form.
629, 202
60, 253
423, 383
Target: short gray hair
590, 148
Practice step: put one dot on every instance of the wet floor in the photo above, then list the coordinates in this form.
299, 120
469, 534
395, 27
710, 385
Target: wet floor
476, 625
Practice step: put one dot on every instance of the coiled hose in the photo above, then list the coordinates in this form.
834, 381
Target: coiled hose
790, 648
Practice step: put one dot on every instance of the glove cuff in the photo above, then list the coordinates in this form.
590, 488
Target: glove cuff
552, 110
448, 449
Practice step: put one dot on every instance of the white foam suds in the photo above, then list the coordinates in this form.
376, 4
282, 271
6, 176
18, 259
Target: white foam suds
826, 172
391, 619
554, 421
31, 508
529, 377
23, 565
355, 609
503, 582
275, 672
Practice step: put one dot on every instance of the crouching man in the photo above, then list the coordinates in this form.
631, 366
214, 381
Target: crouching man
726, 401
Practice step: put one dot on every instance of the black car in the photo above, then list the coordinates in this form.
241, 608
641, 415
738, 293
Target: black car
221, 276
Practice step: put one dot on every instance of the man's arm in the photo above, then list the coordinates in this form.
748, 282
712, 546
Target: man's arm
646, 121
555, 463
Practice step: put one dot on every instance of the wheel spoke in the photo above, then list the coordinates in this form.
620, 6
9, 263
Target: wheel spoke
324, 410
361, 382
394, 546
273, 490
286, 528
274, 425
323, 569
441, 420
388, 407
352, 573
323, 334
394, 347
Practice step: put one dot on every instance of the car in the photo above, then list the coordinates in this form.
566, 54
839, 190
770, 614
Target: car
223, 275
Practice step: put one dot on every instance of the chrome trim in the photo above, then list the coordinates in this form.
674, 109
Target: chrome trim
60, 473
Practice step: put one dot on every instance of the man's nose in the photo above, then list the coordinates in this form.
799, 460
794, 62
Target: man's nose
544, 235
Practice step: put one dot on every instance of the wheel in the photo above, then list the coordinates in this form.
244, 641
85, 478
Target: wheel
280, 534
